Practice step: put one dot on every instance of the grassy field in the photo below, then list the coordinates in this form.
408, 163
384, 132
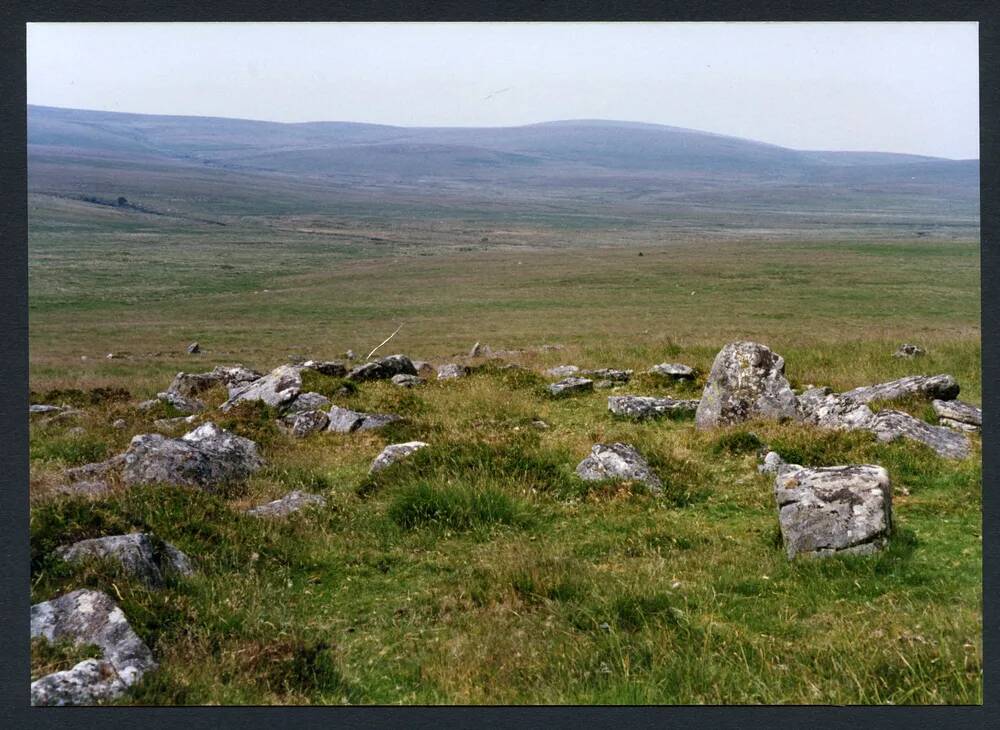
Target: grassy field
483, 571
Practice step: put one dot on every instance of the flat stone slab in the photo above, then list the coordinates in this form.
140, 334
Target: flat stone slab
393, 453
831, 510
278, 388
138, 553
641, 407
673, 370
568, 386
618, 461
291, 502
942, 387
344, 420
957, 414
41, 408
892, 425
617, 376
89, 617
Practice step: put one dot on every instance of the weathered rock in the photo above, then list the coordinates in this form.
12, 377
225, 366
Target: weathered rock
383, 369
139, 555
373, 421
306, 402
568, 386
617, 376
605, 384
406, 381
393, 453
234, 375
822, 408
181, 403
618, 461
909, 351
194, 348
540, 424
424, 369
772, 464
302, 424
277, 388
96, 470
291, 502
452, 370
205, 457
169, 424
84, 488
191, 384
562, 371
334, 368
893, 425
837, 509
943, 387
39, 408
747, 381
640, 407
344, 420
119, 424
957, 414
673, 370
89, 617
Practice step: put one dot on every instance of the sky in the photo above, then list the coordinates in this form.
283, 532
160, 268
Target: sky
893, 87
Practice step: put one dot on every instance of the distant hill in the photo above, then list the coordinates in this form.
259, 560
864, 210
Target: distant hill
639, 168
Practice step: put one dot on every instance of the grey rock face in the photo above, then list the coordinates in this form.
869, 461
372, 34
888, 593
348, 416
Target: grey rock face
344, 420
641, 407
305, 423
618, 461
822, 408
406, 381
617, 376
943, 387
424, 369
334, 368
234, 375
673, 370
568, 386
383, 369
957, 414
308, 402
772, 463
137, 553
89, 617
181, 403
277, 388
169, 424
97, 470
452, 370
191, 384
837, 509
909, 351
194, 348
892, 425
393, 453
562, 371
205, 457
374, 421
747, 381
291, 502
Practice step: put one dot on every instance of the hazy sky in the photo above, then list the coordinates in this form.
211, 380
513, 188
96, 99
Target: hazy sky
898, 87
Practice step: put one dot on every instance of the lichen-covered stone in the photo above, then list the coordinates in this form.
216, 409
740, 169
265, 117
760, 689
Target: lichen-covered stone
383, 369
452, 370
305, 402
333, 368
909, 351
568, 386
893, 425
562, 371
406, 381
279, 387
957, 414
181, 403
641, 407
747, 381
618, 461
291, 502
673, 370
942, 387
617, 376
138, 553
304, 423
393, 453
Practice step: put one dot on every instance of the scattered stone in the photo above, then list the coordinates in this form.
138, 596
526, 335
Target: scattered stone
334, 368
84, 488
96, 470
893, 425
424, 369
772, 463
39, 408
373, 421
562, 371
192, 384
344, 420
605, 384
568, 386
116, 356
393, 453
837, 509
277, 388
205, 457
235, 375
383, 369
673, 370
169, 424
909, 351
618, 461
194, 348
540, 424
617, 376
139, 555
747, 381
301, 424
148, 405
89, 617
291, 502
181, 403
406, 381
640, 407
308, 402
957, 414
452, 370
942, 387
823, 408
119, 424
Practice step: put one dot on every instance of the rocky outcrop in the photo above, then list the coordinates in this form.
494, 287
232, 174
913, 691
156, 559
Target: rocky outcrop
278, 388
139, 555
747, 381
205, 457
641, 407
942, 387
618, 461
569, 386
958, 415
452, 370
393, 453
89, 617
893, 425
673, 370
291, 502
383, 369
837, 509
